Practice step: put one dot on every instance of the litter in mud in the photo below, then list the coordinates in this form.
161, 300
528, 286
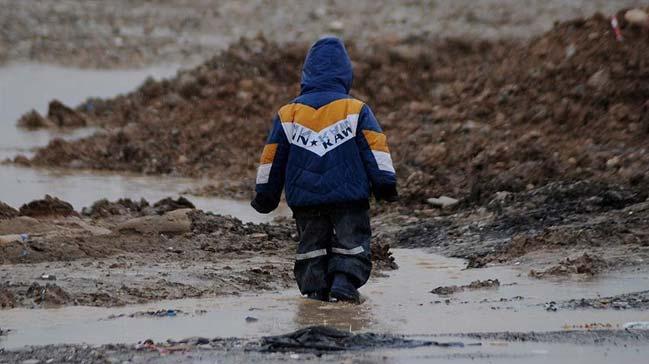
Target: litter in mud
640, 325
448, 290
323, 339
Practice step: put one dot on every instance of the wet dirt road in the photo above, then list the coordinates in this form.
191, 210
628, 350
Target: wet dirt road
398, 304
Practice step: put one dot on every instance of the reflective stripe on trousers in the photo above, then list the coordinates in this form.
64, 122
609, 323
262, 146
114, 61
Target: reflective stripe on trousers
359, 249
311, 254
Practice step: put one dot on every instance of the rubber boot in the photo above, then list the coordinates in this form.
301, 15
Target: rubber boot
343, 290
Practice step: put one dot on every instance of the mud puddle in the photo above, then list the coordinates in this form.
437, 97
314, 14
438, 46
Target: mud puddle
81, 189
32, 86
398, 304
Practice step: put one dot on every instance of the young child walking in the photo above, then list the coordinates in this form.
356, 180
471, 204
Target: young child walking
330, 153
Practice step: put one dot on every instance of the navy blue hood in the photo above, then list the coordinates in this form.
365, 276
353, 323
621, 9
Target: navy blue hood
327, 67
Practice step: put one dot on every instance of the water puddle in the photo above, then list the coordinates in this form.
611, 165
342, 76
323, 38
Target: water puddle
81, 189
32, 86
398, 304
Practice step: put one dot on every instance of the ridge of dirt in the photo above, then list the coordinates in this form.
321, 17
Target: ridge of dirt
476, 118
176, 250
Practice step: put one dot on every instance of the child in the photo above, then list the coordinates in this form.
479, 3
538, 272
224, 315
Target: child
329, 151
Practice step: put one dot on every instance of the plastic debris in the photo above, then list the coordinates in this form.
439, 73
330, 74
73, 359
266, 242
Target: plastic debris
616, 28
48, 277
638, 325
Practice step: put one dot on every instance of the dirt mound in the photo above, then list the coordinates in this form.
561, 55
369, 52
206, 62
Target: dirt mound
124, 206
585, 264
50, 294
48, 206
34, 120
602, 219
169, 204
476, 118
7, 212
448, 290
7, 299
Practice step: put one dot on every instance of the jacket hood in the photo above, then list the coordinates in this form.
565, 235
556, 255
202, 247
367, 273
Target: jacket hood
327, 67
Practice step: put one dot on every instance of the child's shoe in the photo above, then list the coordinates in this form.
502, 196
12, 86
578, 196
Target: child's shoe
343, 290
322, 295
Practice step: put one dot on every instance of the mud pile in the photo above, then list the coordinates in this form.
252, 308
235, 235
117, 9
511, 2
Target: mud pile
48, 206
7, 212
560, 219
464, 118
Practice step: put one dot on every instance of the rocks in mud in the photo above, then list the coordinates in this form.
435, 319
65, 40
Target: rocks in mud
50, 294
637, 17
34, 120
7, 298
176, 221
48, 206
382, 256
634, 300
168, 204
124, 206
7, 212
63, 116
58, 115
587, 264
442, 202
479, 284
599, 79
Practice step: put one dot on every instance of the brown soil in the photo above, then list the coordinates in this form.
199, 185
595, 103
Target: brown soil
585, 264
559, 220
476, 118
448, 290
7, 212
48, 206
132, 252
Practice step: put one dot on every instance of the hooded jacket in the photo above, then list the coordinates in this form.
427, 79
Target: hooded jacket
325, 147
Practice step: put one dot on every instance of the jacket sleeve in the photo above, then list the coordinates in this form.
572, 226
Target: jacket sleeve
375, 153
272, 168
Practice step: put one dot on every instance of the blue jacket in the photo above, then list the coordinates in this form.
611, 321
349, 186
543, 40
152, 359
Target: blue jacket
325, 147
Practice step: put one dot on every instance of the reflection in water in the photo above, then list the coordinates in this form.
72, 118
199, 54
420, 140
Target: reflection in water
343, 316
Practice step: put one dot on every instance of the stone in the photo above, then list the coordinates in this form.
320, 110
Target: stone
442, 201
599, 79
175, 221
637, 17
34, 120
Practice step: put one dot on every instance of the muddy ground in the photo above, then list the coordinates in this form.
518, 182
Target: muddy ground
320, 345
476, 117
128, 33
537, 132
116, 253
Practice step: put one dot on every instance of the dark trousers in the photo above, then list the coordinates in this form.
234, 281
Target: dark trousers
332, 241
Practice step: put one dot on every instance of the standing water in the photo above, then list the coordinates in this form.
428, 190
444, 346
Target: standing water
32, 86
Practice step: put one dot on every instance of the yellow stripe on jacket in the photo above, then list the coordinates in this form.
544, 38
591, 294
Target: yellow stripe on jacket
321, 118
